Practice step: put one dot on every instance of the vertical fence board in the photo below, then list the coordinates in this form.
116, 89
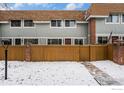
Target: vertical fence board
110, 52
98, 52
84, 53
1, 53
37, 53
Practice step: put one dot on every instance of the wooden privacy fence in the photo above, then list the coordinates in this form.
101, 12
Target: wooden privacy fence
60, 53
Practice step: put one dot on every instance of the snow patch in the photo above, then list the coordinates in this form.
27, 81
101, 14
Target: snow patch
46, 73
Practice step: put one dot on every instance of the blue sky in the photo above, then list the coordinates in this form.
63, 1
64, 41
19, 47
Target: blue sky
49, 6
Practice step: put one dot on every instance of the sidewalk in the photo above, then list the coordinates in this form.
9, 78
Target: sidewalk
114, 70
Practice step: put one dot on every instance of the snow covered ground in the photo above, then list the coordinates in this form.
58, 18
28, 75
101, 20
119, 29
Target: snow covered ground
46, 73
114, 70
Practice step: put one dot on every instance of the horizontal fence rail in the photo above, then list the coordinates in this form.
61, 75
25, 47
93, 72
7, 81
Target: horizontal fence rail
60, 53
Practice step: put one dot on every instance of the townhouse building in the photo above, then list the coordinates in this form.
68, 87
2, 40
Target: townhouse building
63, 27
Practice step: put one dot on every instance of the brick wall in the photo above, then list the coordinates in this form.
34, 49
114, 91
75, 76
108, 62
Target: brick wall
92, 30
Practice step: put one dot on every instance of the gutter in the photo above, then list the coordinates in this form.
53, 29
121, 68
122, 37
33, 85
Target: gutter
96, 16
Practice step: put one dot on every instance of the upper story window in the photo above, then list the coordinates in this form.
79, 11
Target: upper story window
70, 23
56, 23
15, 23
113, 18
28, 23
122, 18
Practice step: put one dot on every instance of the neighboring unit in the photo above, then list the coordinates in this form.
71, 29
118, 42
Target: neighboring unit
105, 20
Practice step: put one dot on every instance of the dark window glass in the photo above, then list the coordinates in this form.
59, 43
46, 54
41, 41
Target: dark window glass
54, 41
68, 41
56, 23
70, 23
67, 23
53, 23
102, 40
17, 41
28, 23
15, 23
8, 42
30, 41
78, 41
123, 18
109, 19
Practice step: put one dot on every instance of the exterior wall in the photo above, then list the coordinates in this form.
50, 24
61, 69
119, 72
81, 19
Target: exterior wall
105, 29
44, 30
92, 31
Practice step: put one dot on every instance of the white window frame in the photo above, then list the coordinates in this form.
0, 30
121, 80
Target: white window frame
112, 19
15, 27
70, 20
28, 27
56, 27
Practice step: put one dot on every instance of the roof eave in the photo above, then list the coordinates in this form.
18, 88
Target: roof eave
96, 16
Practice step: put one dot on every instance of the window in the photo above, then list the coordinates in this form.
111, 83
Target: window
67, 41
18, 41
78, 41
8, 42
30, 41
122, 18
55, 41
15, 23
113, 18
102, 40
28, 23
56, 23
109, 19
114, 38
70, 23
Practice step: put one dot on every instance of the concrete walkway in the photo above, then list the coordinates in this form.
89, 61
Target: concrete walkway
101, 77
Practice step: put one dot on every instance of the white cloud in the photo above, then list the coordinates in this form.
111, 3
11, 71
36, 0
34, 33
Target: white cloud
72, 6
17, 5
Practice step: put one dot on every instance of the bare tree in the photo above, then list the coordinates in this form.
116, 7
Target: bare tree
4, 6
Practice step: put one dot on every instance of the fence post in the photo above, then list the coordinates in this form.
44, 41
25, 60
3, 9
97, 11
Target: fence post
89, 53
28, 53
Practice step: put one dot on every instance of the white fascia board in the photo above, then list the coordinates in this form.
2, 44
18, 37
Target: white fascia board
41, 21
81, 22
96, 16
4, 21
